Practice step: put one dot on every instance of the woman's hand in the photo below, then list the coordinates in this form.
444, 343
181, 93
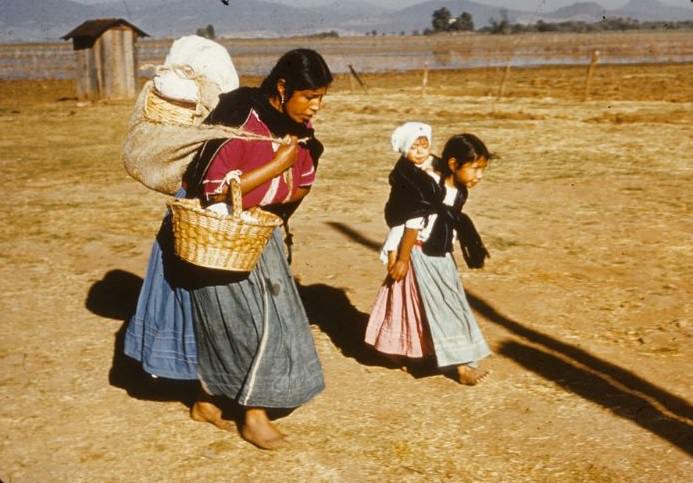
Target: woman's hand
287, 153
398, 270
283, 159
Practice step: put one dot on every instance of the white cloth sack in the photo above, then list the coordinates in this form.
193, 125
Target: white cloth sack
205, 58
157, 150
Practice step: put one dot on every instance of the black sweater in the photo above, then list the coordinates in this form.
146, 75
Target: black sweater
414, 194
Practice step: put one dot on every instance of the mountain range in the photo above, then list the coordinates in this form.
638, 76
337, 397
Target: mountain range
47, 20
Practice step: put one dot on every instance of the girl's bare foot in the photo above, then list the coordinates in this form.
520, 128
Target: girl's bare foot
394, 359
469, 375
259, 430
205, 411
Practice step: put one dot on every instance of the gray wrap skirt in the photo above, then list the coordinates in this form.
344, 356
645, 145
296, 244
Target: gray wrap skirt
253, 338
457, 338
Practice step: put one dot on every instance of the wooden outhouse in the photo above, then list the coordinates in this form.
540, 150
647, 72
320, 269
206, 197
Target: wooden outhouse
106, 58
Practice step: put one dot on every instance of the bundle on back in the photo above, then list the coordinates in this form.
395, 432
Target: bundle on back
166, 126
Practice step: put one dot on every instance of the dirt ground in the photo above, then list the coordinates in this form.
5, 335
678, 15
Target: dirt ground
585, 301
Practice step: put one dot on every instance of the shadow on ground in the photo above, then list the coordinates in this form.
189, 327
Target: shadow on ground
354, 235
330, 309
621, 391
576, 370
115, 297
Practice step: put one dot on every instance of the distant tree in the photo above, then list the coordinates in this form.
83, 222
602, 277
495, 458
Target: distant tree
517, 28
463, 23
415, 32
441, 20
207, 32
466, 21
502, 26
605, 24
374, 32
324, 35
620, 23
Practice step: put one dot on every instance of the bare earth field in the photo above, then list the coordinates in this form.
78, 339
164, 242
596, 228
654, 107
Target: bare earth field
586, 300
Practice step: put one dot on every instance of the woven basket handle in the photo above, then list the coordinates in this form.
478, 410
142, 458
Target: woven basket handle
235, 197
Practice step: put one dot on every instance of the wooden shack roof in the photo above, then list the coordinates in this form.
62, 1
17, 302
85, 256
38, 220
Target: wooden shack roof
92, 29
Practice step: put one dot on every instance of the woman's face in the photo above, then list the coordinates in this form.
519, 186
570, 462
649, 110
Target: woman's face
304, 104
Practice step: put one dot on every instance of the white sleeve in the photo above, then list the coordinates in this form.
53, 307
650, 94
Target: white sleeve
393, 238
416, 223
391, 242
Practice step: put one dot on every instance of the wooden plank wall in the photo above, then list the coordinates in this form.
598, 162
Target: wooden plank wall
129, 64
107, 70
109, 45
88, 74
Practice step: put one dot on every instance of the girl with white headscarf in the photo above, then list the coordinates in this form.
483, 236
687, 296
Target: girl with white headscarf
421, 309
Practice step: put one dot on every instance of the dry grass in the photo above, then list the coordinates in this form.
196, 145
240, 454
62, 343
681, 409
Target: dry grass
586, 300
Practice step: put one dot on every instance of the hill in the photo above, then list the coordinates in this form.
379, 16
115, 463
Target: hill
45, 20
590, 12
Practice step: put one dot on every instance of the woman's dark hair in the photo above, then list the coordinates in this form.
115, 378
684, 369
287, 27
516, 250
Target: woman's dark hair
301, 69
465, 148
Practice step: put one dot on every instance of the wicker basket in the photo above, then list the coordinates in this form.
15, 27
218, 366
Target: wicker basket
168, 111
225, 242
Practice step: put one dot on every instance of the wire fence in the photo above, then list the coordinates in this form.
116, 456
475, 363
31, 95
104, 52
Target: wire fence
387, 53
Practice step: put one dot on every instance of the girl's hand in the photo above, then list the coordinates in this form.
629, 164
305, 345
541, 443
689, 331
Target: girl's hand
398, 270
391, 259
287, 153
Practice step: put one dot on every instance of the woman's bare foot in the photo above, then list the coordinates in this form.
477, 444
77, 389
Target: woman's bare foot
469, 375
259, 430
205, 411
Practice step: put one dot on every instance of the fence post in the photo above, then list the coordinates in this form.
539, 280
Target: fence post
358, 79
590, 72
424, 79
506, 72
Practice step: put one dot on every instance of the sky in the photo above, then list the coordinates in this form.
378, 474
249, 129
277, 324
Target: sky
529, 5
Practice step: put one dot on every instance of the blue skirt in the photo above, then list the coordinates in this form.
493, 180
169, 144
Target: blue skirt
161, 334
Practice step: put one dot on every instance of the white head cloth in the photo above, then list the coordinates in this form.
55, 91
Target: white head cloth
405, 135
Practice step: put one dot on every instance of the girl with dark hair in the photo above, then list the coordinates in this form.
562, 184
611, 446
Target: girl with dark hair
421, 309
251, 338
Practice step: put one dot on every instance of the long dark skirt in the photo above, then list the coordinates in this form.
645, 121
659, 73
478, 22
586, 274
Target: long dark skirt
253, 339
160, 334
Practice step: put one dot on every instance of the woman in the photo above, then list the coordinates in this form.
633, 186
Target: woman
254, 345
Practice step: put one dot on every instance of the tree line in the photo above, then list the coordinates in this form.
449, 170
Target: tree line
442, 20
